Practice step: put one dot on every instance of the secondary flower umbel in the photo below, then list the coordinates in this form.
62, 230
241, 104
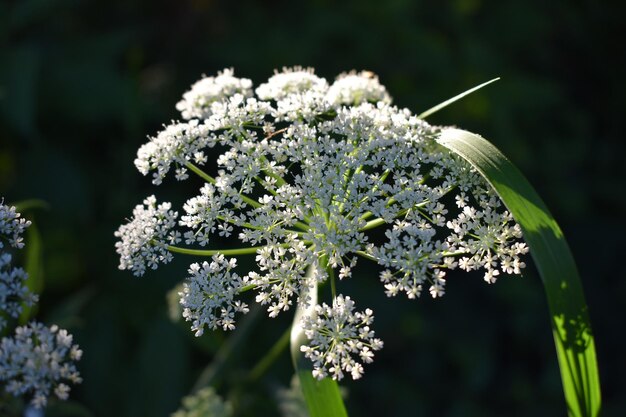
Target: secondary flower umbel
305, 170
36, 361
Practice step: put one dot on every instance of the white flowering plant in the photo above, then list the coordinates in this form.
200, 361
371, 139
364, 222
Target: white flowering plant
37, 362
307, 171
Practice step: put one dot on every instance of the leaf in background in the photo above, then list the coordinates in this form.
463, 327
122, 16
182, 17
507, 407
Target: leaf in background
571, 327
33, 256
323, 398
33, 264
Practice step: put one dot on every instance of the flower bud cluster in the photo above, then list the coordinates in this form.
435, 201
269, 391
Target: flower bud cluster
305, 170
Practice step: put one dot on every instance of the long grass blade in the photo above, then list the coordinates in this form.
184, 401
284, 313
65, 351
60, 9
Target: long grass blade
446, 103
570, 322
323, 398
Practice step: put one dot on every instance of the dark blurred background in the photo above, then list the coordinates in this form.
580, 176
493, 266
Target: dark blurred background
82, 83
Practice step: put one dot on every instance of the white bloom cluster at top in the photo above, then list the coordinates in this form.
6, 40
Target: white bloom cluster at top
355, 88
37, 360
305, 170
196, 103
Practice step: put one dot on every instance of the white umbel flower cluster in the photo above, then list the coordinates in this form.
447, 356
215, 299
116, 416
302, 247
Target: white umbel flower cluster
176, 144
305, 171
196, 103
340, 339
355, 88
208, 295
144, 240
37, 361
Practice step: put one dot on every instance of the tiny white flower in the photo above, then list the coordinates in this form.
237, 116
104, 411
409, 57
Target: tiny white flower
144, 239
208, 295
197, 102
291, 81
355, 88
337, 335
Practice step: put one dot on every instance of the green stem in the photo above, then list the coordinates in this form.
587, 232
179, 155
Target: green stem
322, 396
211, 180
365, 255
246, 288
210, 252
331, 276
372, 224
271, 356
279, 180
457, 253
251, 202
260, 182
231, 347
229, 252
200, 173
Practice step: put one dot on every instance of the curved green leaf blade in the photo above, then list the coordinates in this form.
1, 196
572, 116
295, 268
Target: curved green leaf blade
33, 264
33, 255
458, 97
323, 398
571, 326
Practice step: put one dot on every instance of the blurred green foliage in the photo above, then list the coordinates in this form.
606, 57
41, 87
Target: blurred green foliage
83, 82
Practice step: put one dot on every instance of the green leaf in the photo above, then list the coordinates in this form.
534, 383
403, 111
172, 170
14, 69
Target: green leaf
570, 322
446, 103
323, 398
33, 256
33, 264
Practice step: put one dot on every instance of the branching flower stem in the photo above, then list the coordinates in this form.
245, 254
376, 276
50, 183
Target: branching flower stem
252, 250
211, 180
